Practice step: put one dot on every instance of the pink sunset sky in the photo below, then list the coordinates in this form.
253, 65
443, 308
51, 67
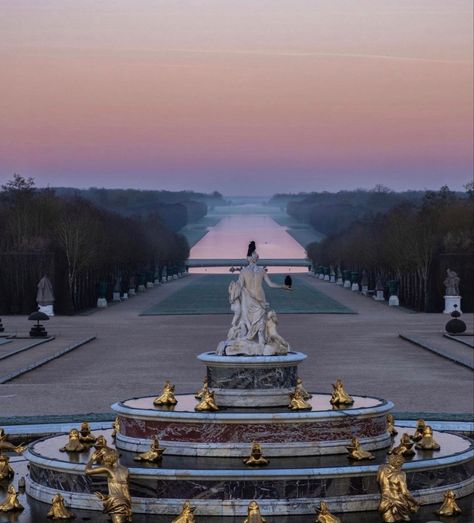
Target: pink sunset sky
240, 96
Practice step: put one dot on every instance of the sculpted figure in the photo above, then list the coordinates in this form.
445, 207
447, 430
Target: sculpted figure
449, 506
117, 504
167, 395
6, 471
256, 458
101, 448
187, 514
324, 515
299, 386
154, 455
74, 444
396, 503
391, 425
339, 395
58, 510
205, 388
427, 442
405, 447
252, 332
253, 514
297, 402
86, 435
451, 283
11, 503
207, 402
115, 427
420, 427
6, 445
356, 452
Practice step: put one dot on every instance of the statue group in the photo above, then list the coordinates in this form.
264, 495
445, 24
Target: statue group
253, 331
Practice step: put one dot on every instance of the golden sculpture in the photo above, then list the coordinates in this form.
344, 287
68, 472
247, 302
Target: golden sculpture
154, 455
404, 448
297, 402
253, 514
205, 387
396, 503
299, 386
74, 444
324, 515
186, 515
256, 458
167, 396
85, 434
6, 445
101, 449
391, 425
117, 504
449, 506
207, 402
339, 395
427, 442
58, 510
356, 452
115, 427
6, 471
420, 427
11, 503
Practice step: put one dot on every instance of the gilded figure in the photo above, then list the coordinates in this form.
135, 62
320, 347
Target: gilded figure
6, 445
427, 442
85, 434
115, 427
117, 504
449, 506
324, 516
299, 386
6, 471
391, 425
339, 395
253, 514
154, 454
101, 449
74, 444
167, 396
405, 447
297, 402
186, 515
207, 402
396, 503
256, 458
205, 388
58, 509
11, 503
356, 452
420, 427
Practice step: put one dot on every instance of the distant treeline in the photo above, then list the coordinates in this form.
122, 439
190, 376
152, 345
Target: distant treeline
83, 247
176, 209
410, 237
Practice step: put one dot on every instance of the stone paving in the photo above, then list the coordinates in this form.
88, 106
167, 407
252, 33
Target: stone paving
133, 355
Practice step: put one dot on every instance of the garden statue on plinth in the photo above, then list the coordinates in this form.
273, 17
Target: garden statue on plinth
451, 294
253, 329
45, 296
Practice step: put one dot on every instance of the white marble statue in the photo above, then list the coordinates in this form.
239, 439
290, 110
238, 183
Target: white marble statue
253, 329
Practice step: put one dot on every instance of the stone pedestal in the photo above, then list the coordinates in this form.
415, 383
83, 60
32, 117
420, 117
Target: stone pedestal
141, 288
340, 282
132, 292
347, 284
378, 296
332, 279
365, 290
157, 281
101, 303
149, 285
252, 381
124, 296
355, 287
116, 296
393, 301
450, 302
327, 277
163, 280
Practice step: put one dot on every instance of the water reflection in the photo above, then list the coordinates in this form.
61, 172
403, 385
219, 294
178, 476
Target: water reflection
229, 239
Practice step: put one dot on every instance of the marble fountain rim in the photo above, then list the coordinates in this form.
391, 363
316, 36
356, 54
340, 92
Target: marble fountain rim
288, 416
212, 359
238, 507
247, 473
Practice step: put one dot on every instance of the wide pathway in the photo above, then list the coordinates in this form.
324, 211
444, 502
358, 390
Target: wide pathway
133, 355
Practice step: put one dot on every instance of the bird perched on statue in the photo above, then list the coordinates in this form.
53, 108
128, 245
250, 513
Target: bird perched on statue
288, 281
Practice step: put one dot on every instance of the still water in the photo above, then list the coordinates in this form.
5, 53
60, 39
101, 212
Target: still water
229, 239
